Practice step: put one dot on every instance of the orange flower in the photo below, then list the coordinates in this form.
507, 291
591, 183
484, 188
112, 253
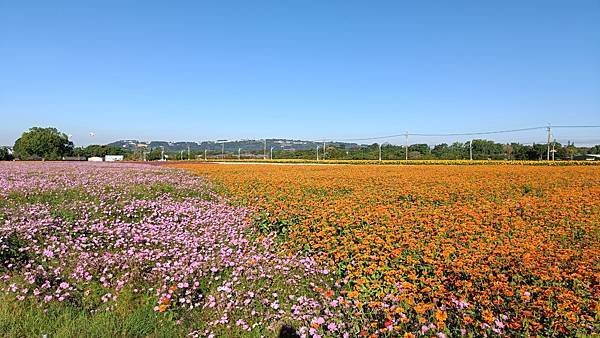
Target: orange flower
488, 316
353, 294
432, 234
421, 308
441, 316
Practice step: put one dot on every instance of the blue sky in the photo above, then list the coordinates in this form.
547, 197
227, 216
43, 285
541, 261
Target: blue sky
202, 70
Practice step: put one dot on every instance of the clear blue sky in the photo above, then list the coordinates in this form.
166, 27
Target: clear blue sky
203, 70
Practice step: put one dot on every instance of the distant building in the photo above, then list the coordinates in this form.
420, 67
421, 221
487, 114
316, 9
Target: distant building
95, 159
591, 157
113, 158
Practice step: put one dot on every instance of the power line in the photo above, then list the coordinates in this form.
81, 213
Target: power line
505, 131
480, 133
575, 126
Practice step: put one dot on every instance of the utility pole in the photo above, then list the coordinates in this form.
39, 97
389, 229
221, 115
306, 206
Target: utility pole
223, 150
188, 152
205, 151
379, 152
265, 149
317, 153
406, 146
471, 150
553, 151
181, 155
549, 133
162, 153
323, 149
239, 154
271, 153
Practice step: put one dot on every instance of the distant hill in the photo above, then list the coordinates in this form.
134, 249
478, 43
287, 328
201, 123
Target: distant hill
230, 146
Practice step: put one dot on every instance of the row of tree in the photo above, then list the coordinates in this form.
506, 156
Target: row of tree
477, 149
50, 144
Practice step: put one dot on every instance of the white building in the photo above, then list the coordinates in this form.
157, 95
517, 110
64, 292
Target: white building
95, 159
113, 158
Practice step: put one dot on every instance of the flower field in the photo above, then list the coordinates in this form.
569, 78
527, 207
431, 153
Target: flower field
435, 250
136, 250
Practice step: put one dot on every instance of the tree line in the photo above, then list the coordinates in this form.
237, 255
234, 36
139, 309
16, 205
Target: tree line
51, 144
479, 150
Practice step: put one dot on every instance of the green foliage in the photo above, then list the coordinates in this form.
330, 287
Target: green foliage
42, 143
455, 151
99, 151
154, 154
485, 149
11, 254
482, 150
266, 224
5, 155
422, 149
594, 150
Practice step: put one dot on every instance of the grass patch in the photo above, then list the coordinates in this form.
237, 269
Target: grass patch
26, 319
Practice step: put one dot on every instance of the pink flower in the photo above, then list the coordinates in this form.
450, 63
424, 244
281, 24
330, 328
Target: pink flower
48, 253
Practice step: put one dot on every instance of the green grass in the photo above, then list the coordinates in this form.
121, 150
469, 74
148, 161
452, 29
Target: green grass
26, 319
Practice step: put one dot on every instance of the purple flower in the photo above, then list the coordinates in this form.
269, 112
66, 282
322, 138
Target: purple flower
332, 327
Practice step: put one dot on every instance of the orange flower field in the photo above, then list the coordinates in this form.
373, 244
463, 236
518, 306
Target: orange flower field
496, 249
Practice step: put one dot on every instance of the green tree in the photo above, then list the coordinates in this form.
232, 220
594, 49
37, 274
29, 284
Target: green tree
154, 154
457, 151
99, 150
484, 149
421, 148
594, 150
538, 152
440, 151
42, 143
